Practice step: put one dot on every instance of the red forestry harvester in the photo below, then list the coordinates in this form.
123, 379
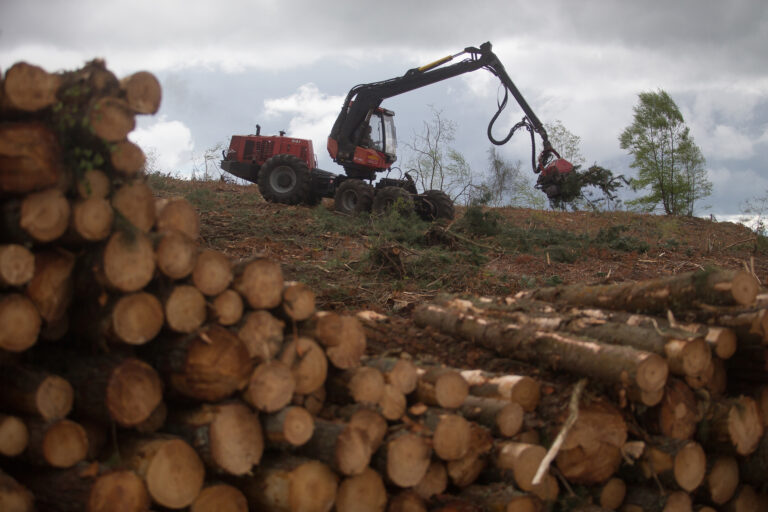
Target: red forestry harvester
364, 143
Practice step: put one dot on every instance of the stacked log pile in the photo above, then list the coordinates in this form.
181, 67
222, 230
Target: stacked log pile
141, 370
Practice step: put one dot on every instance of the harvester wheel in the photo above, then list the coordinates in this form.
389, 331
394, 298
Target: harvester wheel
285, 179
436, 204
388, 197
353, 196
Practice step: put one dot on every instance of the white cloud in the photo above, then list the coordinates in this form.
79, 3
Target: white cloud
169, 142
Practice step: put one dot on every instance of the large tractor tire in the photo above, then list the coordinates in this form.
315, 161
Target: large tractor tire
353, 196
436, 204
388, 197
285, 179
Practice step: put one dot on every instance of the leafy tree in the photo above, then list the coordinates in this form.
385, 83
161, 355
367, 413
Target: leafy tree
575, 189
566, 143
434, 163
665, 156
506, 184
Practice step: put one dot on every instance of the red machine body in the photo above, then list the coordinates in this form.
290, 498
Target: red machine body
247, 153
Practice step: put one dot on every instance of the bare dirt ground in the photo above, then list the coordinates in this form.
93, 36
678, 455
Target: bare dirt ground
389, 266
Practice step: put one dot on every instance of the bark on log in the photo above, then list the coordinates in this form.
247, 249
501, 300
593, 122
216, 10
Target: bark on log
14, 497
466, 470
441, 387
307, 362
127, 158
342, 447
519, 389
291, 426
404, 458
399, 372
450, 433
179, 214
228, 437
260, 282
30, 158
342, 336
170, 468
227, 308
92, 219
212, 273
111, 119
503, 417
522, 458
21, 322
14, 435
17, 265
128, 261
270, 386
298, 302
291, 484
367, 420
29, 88
362, 493
59, 443
677, 292
220, 498
363, 385
185, 309
676, 463
209, 365
33, 391
262, 334
135, 203
142, 92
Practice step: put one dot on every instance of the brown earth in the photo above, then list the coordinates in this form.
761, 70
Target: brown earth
358, 264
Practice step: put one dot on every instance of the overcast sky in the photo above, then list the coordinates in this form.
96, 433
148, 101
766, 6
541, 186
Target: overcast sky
229, 64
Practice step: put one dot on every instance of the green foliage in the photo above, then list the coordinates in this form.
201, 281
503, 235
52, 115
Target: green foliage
575, 191
566, 143
612, 238
479, 222
665, 156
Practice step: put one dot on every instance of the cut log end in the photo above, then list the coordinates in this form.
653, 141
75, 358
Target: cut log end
133, 392
92, 219
29, 88
176, 255
142, 92
212, 273
118, 491
65, 443
313, 487
652, 373
129, 261
744, 425
45, 215
260, 282
21, 323
17, 265
179, 214
111, 119
298, 301
307, 362
14, 436
228, 308
612, 494
137, 318
185, 309
451, 437
744, 288
54, 398
135, 202
174, 475
220, 498
362, 493
236, 439
690, 465
723, 479
127, 158
271, 386
408, 458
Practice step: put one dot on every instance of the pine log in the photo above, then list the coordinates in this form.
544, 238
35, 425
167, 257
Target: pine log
677, 292
734, 424
342, 336
307, 362
519, 389
722, 340
51, 286
21, 322
39, 216
210, 365
262, 334
292, 426
171, 470
212, 273
32, 391
367, 420
434, 482
399, 372
184, 308
522, 458
441, 387
404, 458
227, 308
676, 463
406, 501
17, 265
503, 417
299, 302
111, 119
749, 325
617, 364
722, 479
127, 158
135, 319
142, 92
362, 493
228, 437
14, 497
58, 443
465, 471
260, 282
270, 386
179, 214
291, 484
345, 449
30, 158
29, 88
128, 261
363, 385
14, 435
450, 433
678, 413
220, 498
93, 183
392, 403
92, 219
134, 202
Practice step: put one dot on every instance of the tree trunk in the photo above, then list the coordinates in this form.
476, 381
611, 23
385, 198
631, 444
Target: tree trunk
21, 323
404, 458
170, 468
467, 469
503, 417
262, 334
523, 459
399, 372
212, 273
450, 433
292, 426
14, 435
441, 387
17, 265
342, 336
734, 424
29, 88
33, 391
127, 158
519, 389
307, 362
228, 437
260, 282
220, 498
362, 493
270, 387
344, 448
678, 413
59, 443
227, 308
142, 92
676, 463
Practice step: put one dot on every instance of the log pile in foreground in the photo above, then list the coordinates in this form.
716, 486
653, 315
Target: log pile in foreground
139, 370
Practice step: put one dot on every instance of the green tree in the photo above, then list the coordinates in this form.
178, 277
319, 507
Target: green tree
567, 144
665, 156
506, 184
